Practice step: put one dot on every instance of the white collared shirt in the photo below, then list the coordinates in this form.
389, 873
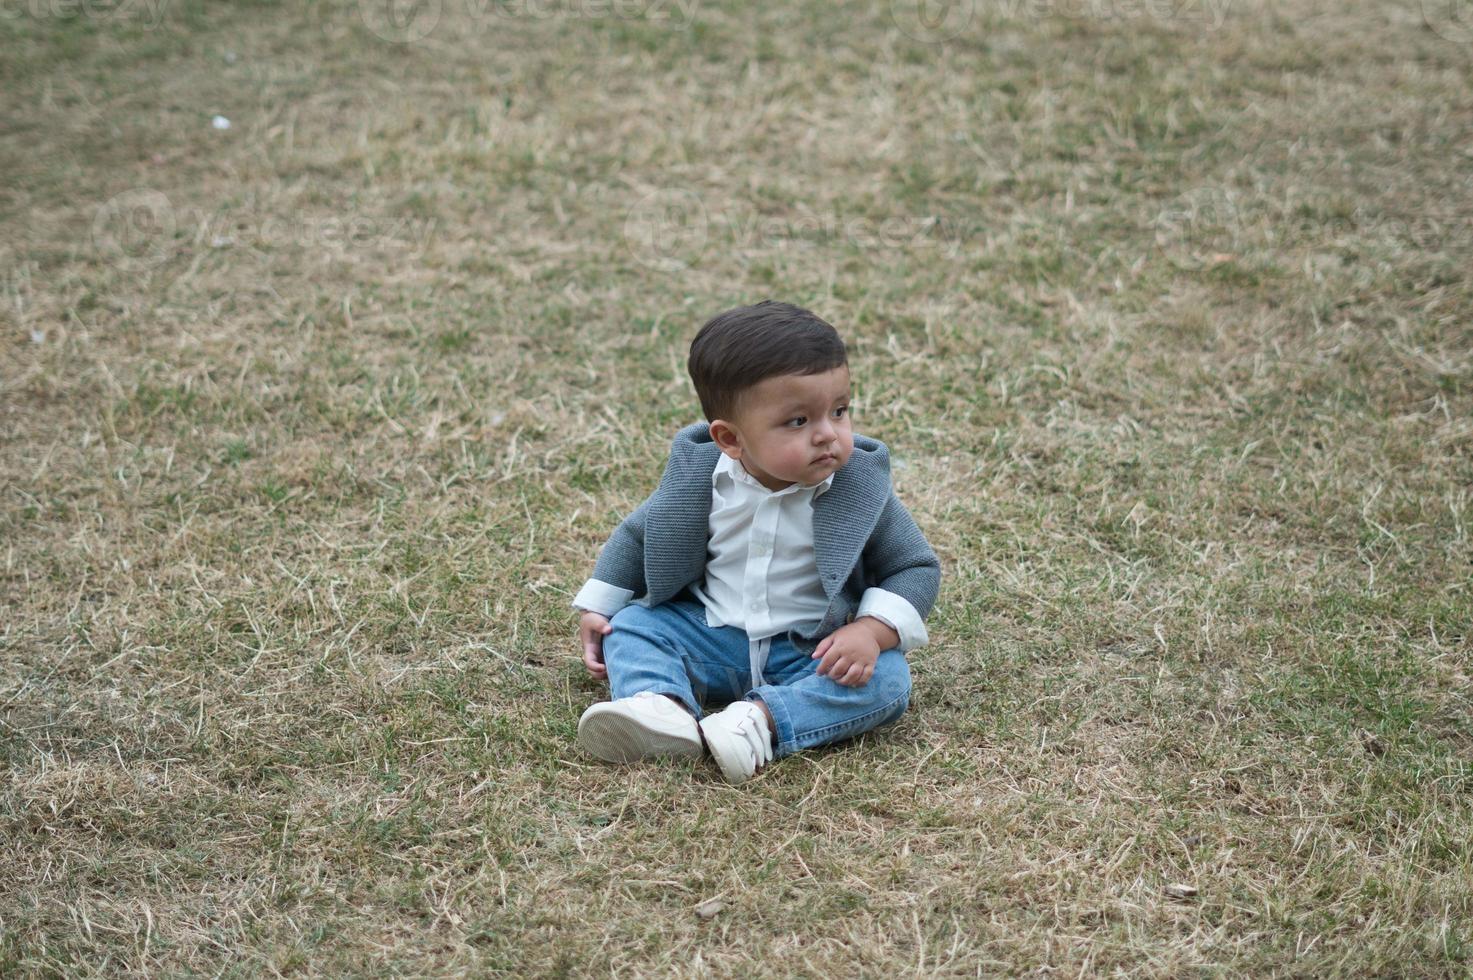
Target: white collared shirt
761, 575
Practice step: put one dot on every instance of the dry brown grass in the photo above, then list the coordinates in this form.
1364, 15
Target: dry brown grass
312, 425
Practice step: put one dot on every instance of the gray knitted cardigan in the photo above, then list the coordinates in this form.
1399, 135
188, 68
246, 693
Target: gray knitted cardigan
862, 535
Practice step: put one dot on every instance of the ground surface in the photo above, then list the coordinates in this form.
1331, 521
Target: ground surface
309, 428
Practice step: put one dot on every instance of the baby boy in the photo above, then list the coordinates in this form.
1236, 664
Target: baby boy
773, 570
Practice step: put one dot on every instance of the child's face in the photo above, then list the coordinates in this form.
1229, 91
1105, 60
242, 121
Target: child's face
793, 428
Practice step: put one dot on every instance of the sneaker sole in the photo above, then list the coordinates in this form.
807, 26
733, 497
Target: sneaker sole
735, 775
729, 763
615, 737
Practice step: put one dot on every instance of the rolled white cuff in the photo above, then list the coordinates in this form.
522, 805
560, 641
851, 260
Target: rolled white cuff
896, 613
603, 598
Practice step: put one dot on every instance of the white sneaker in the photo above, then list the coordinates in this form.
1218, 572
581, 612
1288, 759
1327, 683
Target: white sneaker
639, 727
739, 739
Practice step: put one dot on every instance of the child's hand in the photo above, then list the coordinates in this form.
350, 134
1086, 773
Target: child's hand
592, 628
849, 654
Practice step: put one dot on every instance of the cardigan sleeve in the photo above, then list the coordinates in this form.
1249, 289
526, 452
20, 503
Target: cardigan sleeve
621, 561
602, 598
898, 559
896, 613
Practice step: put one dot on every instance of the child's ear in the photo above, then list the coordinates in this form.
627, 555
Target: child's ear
727, 439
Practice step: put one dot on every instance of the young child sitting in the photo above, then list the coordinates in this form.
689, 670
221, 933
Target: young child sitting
775, 568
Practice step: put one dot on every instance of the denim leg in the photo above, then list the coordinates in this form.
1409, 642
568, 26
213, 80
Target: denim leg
669, 649
812, 710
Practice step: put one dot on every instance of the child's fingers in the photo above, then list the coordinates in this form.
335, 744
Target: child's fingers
591, 632
830, 662
839, 669
823, 646
594, 663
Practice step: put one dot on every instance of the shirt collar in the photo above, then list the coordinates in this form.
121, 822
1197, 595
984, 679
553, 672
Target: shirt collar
738, 474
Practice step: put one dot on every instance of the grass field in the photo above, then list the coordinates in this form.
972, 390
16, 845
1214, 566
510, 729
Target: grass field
310, 426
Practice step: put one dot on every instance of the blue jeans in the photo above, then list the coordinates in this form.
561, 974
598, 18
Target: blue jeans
669, 649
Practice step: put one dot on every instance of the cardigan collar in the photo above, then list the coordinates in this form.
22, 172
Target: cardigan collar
734, 469
843, 517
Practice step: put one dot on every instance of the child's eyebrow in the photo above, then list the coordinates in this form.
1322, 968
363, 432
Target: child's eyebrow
796, 405
790, 407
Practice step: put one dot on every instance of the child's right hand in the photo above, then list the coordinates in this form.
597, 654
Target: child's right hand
592, 628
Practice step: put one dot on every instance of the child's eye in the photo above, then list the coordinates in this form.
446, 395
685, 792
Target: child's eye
839, 412
798, 421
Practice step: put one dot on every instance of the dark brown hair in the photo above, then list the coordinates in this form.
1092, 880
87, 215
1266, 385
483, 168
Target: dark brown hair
739, 348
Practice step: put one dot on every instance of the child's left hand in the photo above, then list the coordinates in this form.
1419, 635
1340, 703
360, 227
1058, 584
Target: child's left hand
849, 654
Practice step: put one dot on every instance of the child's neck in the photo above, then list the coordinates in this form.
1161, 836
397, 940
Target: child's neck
759, 479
